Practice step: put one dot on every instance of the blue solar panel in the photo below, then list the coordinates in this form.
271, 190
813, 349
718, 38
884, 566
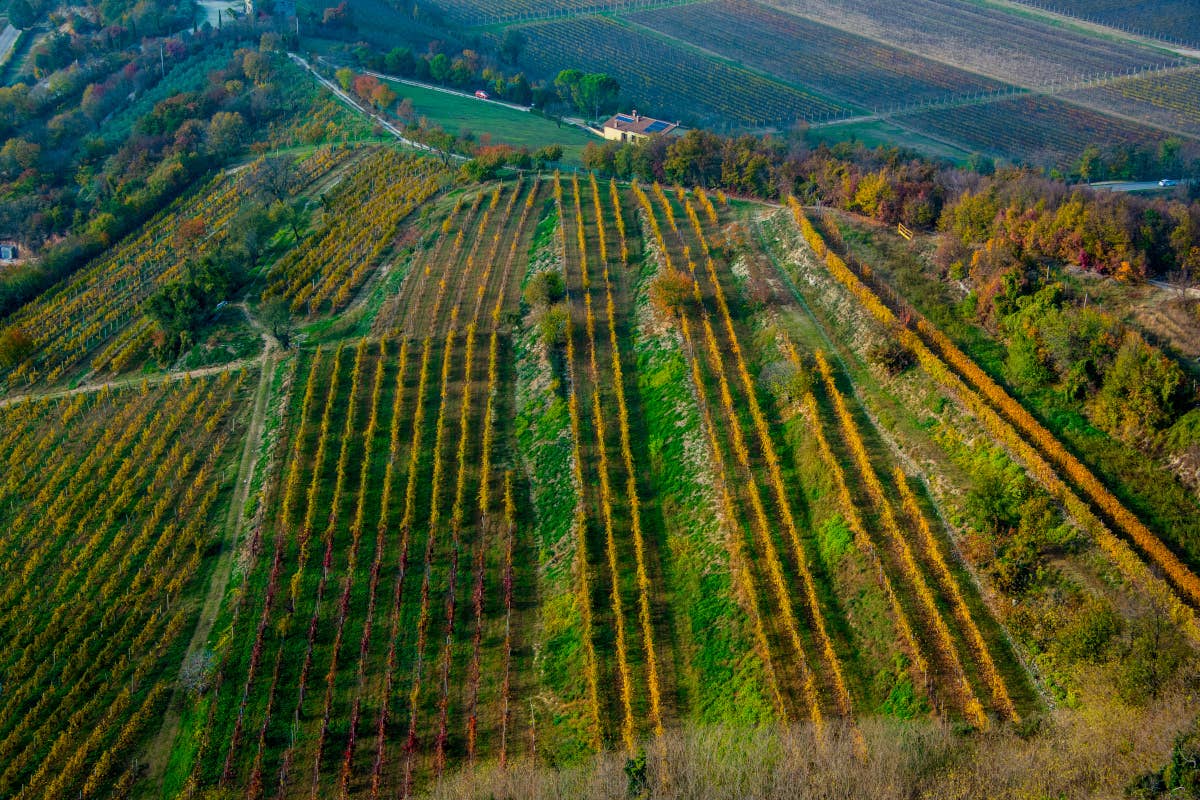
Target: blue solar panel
659, 125
624, 118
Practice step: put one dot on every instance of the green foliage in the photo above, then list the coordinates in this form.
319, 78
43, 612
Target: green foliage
553, 324
545, 289
1151, 659
900, 696
180, 306
591, 93
637, 786
834, 539
997, 491
1025, 366
1088, 636
1141, 391
1016, 564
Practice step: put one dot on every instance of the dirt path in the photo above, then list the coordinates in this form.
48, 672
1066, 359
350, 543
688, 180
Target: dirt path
159, 751
269, 345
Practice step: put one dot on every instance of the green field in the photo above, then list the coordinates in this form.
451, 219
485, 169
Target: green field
456, 112
883, 132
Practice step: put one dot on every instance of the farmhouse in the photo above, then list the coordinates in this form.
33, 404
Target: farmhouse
634, 127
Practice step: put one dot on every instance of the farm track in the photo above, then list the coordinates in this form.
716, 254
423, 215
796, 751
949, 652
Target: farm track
234, 528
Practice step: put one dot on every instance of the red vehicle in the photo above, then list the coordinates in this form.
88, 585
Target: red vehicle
481, 94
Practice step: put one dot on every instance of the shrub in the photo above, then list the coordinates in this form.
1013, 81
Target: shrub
545, 289
892, 356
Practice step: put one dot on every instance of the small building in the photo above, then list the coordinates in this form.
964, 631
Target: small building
634, 127
9, 251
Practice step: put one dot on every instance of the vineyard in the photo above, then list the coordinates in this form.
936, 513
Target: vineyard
1172, 20
588, 465
834, 62
1052, 133
1168, 99
672, 79
1135, 551
108, 501
99, 311
987, 40
423, 547
325, 269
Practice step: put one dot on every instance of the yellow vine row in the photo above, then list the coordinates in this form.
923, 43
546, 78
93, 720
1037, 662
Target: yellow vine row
971, 705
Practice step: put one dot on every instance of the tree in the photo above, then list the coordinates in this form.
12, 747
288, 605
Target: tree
597, 92
15, 346
512, 45
252, 230
548, 154
566, 85
258, 67
345, 78
274, 178
227, 132
382, 96
18, 155
277, 316
405, 111
399, 61
545, 288
553, 324
1140, 391
439, 67
21, 14
694, 158
670, 290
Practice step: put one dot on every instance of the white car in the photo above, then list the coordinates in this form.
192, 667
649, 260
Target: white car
1168, 182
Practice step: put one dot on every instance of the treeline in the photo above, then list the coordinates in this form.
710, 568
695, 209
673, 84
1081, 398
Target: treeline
491, 66
1010, 214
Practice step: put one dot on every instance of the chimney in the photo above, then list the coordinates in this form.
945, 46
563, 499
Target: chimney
635, 115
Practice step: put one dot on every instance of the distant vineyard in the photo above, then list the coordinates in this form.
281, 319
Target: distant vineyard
982, 38
668, 80
1171, 99
1038, 130
490, 12
1173, 20
838, 64
107, 507
365, 209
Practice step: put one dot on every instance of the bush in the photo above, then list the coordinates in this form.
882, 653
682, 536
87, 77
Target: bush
553, 325
545, 289
669, 291
1141, 391
892, 356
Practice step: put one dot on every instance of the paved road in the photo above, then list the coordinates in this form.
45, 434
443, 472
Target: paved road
1187, 291
433, 87
383, 123
1128, 186
8, 40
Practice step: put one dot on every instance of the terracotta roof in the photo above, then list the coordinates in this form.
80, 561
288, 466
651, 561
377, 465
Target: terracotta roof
635, 123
